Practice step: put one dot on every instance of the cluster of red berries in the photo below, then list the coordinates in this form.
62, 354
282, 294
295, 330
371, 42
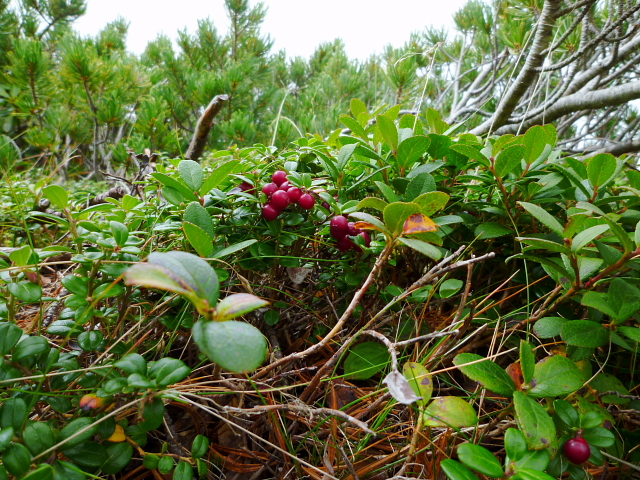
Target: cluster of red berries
281, 194
341, 229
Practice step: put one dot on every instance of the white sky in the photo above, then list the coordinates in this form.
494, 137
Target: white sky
297, 26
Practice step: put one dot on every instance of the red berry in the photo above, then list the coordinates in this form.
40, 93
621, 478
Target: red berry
294, 193
353, 231
339, 227
285, 186
344, 244
279, 200
577, 450
269, 213
366, 237
326, 205
306, 201
247, 187
279, 177
269, 189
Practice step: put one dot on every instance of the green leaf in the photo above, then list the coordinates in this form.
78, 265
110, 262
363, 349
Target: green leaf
420, 381
621, 234
480, 459
365, 217
566, 413
515, 444
451, 412
30, 346
535, 141
431, 202
199, 239
365, 360
544, 217
171, 182
419, 185
198, 215
344, 155
601, 168
200, 446
90, 341
219, 174
387, 191
388, 131
395, 214
597, 300
77, 431
527, 361
236, 305
584, 333
183, 471
233, 248
530, 474
88, 454
13, 413
168, 371
508, 159
57, 195
76, 284
44, 471
191, 173
120, 232
604, 382
554, 376
456, 471
165, 465
118, 457
585, 237
151, 461
411, 150
353, 125
486, 372
23, 256
599, 437
152, 414
132, 363
357, 107
6, 436
26, 291
490, 230
630, 332
623, 298
471, 152
235, 346
539, 243
9, 336
16, 459
372, 202
422, 247
535, 423
591, 419
450, 287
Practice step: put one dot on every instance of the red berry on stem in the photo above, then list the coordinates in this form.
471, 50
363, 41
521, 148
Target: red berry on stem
344, 244
326, 205
294, 194
366, 237
353, 231
279, 177
339, 227
269, 213
279, 200
307, 201
269, 189
285, 186
247, 187
577, 450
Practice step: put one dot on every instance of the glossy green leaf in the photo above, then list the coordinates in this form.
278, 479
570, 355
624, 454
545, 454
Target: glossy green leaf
554, 376
165, 465
534, 459
566, 413
387, 192
118, 457
479, 459
487, 373
26, 291
365, 360
530, 474
9, 336
539, 243
544, 217
151, 461
57, 195
599, 437
344, 155
13, 413
451, 412
43, 471
16, 459
183, 471
623, 299
422, 247
76, 284
587, 236
411, 150
236, 247
584, 333
219, 174
198, 215
515, 444
120, 232
535, 141
431, 202
235, 346
77, 431
456, 471
152, 414
132, 363
236, 305
508, 159
388, 131
372, 202
168, 371
200, 446
87, 454
527, 361
601, 168
198, 239
488, 230
632, 333
38, 437
535, 423
30, 346
191, 173
6, 435
353, 125
90, 341
548, 327
419, 185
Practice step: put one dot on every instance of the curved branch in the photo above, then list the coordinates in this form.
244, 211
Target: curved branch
201, 135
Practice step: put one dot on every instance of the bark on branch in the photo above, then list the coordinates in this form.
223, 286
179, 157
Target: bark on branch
201, 135
524, 79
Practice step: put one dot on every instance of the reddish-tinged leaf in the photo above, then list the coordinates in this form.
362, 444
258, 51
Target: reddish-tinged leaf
419, 223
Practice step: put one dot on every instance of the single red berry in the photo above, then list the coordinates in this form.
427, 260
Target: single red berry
269, 213
577, 450
306, 201
269, 189
339, 227
366, 237
279, 177
353, 231
294, 193
285, 186
247, 187
344, 244
326, 205
279, 200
